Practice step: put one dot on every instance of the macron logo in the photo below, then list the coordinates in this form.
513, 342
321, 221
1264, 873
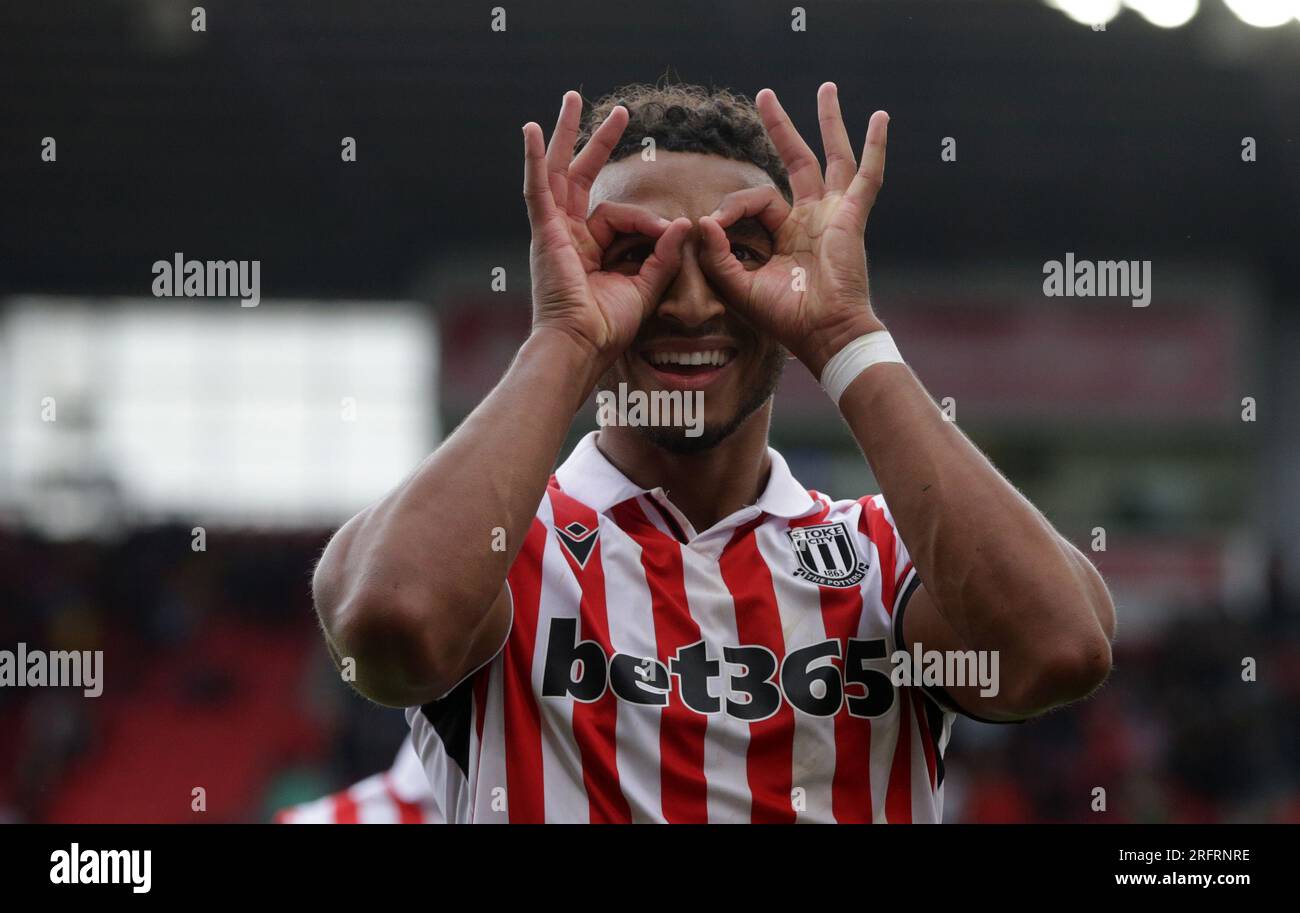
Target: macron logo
78, 866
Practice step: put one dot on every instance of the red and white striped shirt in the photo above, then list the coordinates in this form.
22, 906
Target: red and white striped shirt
399, 795
656, 673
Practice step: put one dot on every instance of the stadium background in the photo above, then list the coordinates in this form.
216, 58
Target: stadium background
378, 330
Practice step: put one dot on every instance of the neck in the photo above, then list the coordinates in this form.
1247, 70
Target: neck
706, 486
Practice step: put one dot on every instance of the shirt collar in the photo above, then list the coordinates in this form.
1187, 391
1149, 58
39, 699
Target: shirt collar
591, 478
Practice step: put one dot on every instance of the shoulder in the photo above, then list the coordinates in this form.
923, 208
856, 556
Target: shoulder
869, 515
869, 520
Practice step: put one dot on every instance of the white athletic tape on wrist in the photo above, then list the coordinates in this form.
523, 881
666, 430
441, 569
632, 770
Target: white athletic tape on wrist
855, 358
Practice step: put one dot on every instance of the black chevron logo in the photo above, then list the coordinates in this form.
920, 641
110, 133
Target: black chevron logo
578, 541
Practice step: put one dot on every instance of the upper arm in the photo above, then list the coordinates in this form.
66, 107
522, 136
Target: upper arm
489, 639
915, 616
1054, 660
918, 621
402, 652
1103, 606
383, 676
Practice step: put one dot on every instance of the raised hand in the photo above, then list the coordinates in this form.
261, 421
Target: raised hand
811, 295
602, 310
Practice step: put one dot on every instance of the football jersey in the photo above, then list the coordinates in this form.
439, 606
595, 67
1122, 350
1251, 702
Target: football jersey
656, 673
399, 795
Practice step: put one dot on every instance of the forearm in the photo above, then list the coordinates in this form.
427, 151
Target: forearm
416, 572
998, 572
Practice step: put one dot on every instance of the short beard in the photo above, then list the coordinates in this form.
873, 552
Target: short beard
675, 441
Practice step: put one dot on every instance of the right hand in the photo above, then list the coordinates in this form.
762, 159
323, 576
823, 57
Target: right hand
600, 310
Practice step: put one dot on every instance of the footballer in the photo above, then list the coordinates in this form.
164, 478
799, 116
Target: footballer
670, 627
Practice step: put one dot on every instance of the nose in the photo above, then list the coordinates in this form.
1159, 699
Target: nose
690, 300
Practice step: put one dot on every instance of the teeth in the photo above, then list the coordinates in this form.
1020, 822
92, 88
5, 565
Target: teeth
715, 357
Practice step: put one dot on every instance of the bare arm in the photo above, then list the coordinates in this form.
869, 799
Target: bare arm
411, 588
996, 575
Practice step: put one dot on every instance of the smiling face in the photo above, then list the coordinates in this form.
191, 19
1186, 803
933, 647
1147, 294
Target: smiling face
693, 340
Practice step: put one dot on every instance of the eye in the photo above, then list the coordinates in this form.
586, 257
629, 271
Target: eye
627, 257
634, 253
746, 254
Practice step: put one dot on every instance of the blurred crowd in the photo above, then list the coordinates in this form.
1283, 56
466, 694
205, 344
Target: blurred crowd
215, 681
220, 703
1176, 735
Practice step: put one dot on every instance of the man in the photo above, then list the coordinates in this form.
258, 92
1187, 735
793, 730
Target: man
671, 628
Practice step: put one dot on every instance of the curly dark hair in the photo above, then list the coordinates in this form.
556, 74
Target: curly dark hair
689, 118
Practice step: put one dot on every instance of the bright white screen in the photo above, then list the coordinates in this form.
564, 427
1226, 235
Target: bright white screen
283, 414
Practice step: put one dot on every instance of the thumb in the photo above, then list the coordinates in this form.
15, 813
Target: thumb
722, 269
661, 266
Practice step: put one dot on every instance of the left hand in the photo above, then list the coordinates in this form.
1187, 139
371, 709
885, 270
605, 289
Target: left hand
815, 313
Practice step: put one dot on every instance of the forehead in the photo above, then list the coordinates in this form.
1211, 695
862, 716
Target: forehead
676, 183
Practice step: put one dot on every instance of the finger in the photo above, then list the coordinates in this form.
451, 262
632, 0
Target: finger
537, 189
609, 220
592, 158
840, 163
723, 270
762, 203
805, 172
867, 182
660, 267
560, 150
